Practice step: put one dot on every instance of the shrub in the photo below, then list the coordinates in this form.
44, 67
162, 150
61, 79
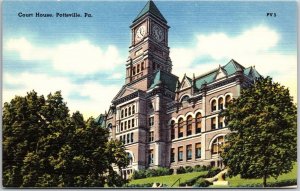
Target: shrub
202, 183
171, 171
199, 168
213, 172
188, 169
180, 170
138, 185
139, 174
151, 173
162, 171
281, 183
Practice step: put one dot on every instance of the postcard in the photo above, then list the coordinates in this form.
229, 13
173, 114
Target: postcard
152, 93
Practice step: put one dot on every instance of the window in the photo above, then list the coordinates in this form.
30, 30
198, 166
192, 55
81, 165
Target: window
124, 137
180, 128
180, 153
189, 152
133, 71
128, 138
198, 150
142, 66
122, 113
129, 158
151, 156
129, 111
138, 69
121, 138
185, 98
213, 123
132, 122
125, 125
129, 124
189, 123
172, 130
131, 137
151, 121
214, 105
220, 122
198, 122
151, 136
172, 155
221, 103
133, 109
227, 100
122, 126
217, 145
126, 112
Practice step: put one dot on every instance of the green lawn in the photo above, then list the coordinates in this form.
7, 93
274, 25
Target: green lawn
168, 180
238, 182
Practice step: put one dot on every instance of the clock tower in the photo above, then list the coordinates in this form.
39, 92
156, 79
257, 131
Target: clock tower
149, 51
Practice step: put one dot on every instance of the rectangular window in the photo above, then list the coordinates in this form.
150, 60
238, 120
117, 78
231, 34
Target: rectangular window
151, 156
151, 136
198, 150
129, 124
172, 132
124, 139
125, 126
189, 152
122, 126
180, 153
180, 132
213, 123
128, 139
221, 120
132, 137
151, 121
132, 122
172, 155
189, 129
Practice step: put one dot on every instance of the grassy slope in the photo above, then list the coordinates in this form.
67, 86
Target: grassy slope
169, 180
237, 181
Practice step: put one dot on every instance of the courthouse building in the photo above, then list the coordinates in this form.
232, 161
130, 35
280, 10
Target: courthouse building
164, 121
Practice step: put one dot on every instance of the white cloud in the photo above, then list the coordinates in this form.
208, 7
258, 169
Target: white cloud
255, 46
99, 95
116, 76
80, 57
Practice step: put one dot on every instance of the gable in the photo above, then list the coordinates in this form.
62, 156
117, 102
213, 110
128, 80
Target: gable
220, 74
124, 92
185, 84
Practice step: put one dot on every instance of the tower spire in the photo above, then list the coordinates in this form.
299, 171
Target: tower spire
150, 8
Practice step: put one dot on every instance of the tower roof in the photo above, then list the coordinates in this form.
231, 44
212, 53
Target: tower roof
151, 8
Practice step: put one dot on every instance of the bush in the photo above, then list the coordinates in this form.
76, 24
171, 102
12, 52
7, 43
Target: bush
213, 172
171, 171
180, 170
199, 168
163, 171
188, 169
202, 183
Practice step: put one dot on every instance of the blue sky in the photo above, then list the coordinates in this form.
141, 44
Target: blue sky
85, 57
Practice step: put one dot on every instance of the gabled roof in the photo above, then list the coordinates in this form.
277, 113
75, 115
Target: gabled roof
230, 68
186, 82
150, 7
168, 80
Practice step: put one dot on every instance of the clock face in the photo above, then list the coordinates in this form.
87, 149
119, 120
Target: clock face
158, 33
140, 33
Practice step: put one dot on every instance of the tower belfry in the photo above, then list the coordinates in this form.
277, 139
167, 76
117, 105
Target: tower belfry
149, 51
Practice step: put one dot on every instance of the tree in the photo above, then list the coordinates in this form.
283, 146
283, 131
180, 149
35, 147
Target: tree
263, 141
43, 146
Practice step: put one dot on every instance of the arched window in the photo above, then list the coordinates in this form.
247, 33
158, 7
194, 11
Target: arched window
180, 128
217, 145
198, 122
129, 125
227, 100
122, 113
125, 126
213, 105
126, 112
138, 69
221, 103
130, 159
185, 98
129, 111
189, 123
172, 130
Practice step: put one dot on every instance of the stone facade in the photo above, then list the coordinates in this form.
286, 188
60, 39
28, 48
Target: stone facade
164, 121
